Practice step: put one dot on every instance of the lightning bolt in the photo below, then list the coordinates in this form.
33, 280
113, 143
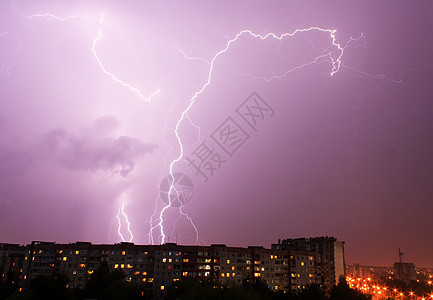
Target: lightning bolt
335, 61
121, 212
51, 16
333, 54
127, 85
95, 54
192, 57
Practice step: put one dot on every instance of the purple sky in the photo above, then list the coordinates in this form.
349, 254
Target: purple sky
348, 155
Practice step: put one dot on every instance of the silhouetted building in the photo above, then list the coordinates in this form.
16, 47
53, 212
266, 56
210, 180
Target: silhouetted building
405, 271
330, 262
158, 266
11, 262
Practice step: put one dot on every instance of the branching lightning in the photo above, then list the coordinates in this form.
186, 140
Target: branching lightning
191, 57
121, 212
127, 85
51, 16
332, 54
335, 61
95, 42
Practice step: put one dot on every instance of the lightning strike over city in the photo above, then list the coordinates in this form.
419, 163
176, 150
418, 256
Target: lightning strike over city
282, 145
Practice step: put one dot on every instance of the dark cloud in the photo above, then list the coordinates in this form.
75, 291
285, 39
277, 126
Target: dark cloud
93, 150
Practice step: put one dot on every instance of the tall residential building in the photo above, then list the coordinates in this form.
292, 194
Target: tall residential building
11, 262
330, 256
405, 271
156, 267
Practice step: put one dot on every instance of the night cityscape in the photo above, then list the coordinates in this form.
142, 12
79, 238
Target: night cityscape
216, 150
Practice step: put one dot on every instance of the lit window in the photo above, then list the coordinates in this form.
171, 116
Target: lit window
302, 263
129, 266
116, 266
228, 261
272, 257
228, 275
82, 265
311, 275
77, 252
144, 279
74, 272
185, 260
90, 271
170, 260
136, 273
162, 287
233, 274
122, 266
184, 273
222, 275
144, 273
233, 268
164, 260
256, 274
64, 258
123, 252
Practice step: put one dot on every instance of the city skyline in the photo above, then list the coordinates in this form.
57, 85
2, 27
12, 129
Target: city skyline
274, 122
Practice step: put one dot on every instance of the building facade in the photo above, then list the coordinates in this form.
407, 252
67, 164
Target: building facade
11, 262
156, 267
329, 257
405, 271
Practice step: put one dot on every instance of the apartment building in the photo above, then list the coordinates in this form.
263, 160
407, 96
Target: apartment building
156, 267
328, 255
